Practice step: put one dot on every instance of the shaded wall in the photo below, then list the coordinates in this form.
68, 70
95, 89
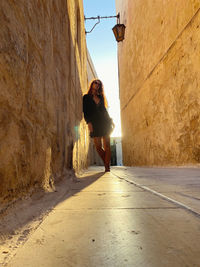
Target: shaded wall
42, 76
160, 82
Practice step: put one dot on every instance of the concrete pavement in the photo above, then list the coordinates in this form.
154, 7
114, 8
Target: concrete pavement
181, 185
129, 217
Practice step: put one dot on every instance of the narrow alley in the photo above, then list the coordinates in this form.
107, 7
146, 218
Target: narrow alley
129, 217
90, 83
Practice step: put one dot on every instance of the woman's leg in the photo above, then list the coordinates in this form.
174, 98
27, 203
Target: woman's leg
106, 145
98, 145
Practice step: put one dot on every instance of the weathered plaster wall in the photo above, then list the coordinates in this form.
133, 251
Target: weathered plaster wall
42, 78
159, 63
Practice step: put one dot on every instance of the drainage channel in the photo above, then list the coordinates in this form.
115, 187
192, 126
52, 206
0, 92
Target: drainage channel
147, 189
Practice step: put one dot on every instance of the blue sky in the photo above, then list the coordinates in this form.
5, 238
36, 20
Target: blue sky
101, 41
102, 46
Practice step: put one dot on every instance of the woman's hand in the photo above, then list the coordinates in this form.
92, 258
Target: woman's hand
90, 127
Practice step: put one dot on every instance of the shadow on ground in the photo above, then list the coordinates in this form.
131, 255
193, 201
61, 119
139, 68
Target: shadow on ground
27, 214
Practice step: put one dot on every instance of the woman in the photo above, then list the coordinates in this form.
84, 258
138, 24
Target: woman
99, 123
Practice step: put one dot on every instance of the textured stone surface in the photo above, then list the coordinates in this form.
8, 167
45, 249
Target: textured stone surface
160, 82
42, 78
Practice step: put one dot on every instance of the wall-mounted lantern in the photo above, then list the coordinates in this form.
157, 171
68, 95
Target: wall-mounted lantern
118, 29
119, 32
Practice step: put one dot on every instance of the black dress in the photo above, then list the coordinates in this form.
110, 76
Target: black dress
96, 114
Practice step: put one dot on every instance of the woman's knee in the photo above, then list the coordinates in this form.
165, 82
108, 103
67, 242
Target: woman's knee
99, 148
106, 144
107, 148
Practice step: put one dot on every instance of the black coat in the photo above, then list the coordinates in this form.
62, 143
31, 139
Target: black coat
97, 115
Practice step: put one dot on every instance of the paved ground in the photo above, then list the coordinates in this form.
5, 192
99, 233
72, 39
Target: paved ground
130, 217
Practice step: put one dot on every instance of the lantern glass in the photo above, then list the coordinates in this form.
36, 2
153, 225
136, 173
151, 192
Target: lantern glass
119, 32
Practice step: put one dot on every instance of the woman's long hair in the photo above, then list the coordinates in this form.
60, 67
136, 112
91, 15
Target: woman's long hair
101, 90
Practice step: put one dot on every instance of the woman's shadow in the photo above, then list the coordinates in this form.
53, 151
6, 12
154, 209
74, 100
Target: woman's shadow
27, 214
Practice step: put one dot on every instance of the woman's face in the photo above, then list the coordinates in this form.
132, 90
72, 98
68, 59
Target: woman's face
95, 87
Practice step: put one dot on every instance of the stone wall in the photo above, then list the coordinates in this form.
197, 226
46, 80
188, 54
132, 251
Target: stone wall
42, 79
159, 63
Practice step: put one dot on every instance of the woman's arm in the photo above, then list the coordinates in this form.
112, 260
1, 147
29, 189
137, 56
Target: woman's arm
87, 112
90, 127
87, 108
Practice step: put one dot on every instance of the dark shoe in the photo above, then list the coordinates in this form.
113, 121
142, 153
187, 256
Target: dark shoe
107, 168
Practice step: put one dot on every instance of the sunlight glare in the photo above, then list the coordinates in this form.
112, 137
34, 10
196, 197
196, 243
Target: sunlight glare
108, 76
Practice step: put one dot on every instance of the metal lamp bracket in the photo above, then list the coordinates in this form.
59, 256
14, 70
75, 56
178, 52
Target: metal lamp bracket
98, 17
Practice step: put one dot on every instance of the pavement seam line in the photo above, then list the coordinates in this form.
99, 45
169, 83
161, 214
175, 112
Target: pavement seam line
160, 195
114, 208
